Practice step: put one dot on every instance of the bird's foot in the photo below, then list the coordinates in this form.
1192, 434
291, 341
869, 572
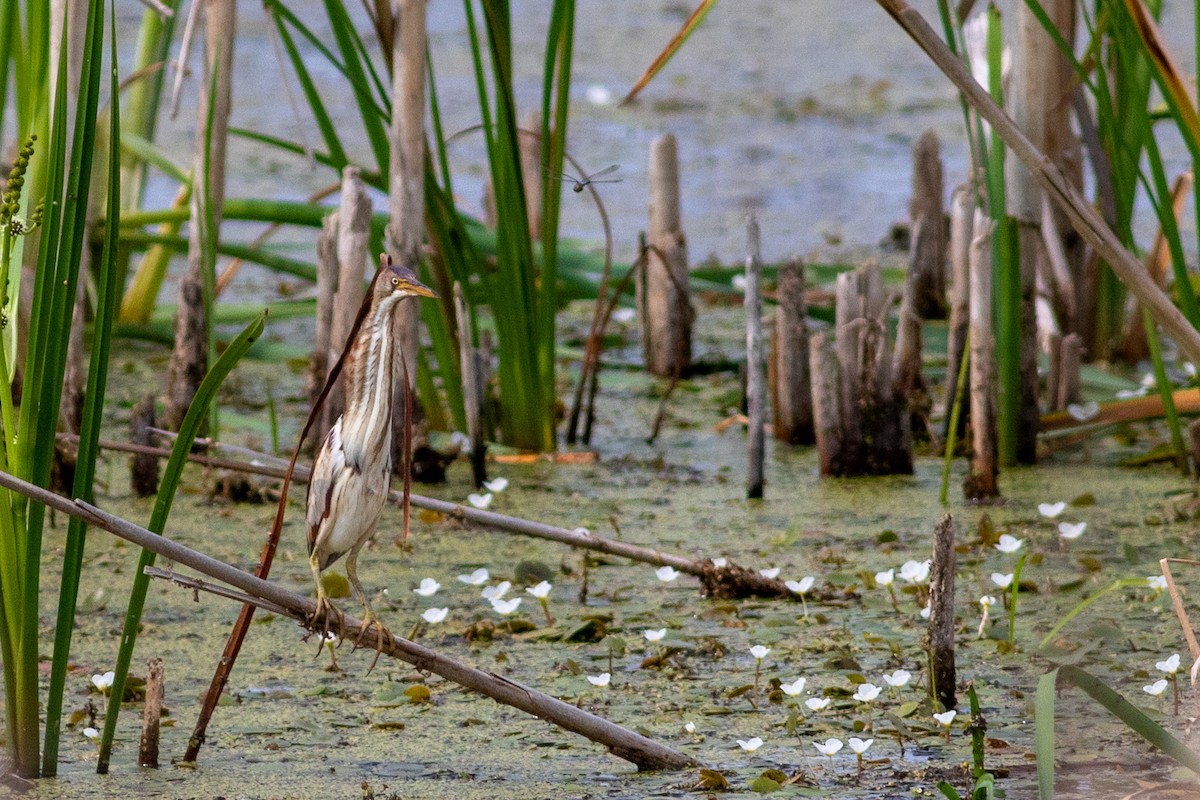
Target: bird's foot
326, 615
382, 636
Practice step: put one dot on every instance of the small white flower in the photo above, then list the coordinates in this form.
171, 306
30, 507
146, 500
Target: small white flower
1003, 581
1084, 412
867, 692
987, 601
801, 586
1068, 530
496, 485
91, 733
794, 688
434, 615
599, 680
1148, 381
104, 682
817, 703
915, 571
830, 748
750, 745
738, 282
886, 578
925, 612
770, 572
1156, 582
476, 578
759, 652
462, 440
599, 95
1051, 510
480, 500
1009, 543
1170, 666
946, 717
505, 607
899, 678
541, 591
496, 592
1190, 369
1156, 688
624, 315
666, 574
859, 746
428, 587
720, 563
1125, 394
655, 636
690, 727
330, 637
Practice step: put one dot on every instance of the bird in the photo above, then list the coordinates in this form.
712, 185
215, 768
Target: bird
351, 475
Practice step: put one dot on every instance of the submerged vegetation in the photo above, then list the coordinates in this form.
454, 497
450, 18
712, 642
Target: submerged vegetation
811, 664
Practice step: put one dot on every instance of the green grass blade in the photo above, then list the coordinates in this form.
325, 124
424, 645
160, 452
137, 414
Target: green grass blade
89, 435
374, 119
1138, 722
1074, 612
188, 430
1043, 721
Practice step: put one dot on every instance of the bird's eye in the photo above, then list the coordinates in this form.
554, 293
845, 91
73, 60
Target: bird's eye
395, 281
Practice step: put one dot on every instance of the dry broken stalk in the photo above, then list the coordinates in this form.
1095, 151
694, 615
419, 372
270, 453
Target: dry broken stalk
1189, 633
1083, 217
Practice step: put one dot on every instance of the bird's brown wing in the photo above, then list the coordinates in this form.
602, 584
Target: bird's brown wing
330, 461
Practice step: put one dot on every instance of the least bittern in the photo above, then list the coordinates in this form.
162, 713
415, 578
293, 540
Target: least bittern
352, 473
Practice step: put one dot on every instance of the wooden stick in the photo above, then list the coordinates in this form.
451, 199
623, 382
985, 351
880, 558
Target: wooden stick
1069, 363
352, 254
927, 270
791, 389
635, 748
715, 581
982, 481
942, 679
827, 404
327, 286
962, 213
666, 323
472, 391
143, 468
151, 712
1053, 349
189, 359
1083, 217
755, 377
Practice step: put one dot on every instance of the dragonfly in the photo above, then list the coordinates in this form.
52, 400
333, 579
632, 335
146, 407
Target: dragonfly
595, 177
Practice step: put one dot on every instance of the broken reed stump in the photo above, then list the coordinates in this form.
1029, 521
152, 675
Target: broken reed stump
942, 678
472, 388
908, 382
1070, 363
755, 372
1052, 344
639, 750
323, 355
927, 271
663, 303
189, 359
788, 373
151, 714
862, 425
352, 253
981, 481
143, 469
962, 213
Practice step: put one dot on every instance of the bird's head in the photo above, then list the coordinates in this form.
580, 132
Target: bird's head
397, 280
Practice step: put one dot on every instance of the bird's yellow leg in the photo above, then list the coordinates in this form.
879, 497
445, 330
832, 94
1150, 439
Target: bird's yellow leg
325, 610
369, 618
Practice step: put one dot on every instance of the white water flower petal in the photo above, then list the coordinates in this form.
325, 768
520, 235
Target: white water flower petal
1002, 580
720, 563
946, 717
496, 485
801, 586
480, 500
476, 578
435, 615
925, 612
830, 748
750, 745
915, 571
759, 652
866, 692
428, 587
899, 678
1009, 543
1068, 530
817, 703
541, 591
1156, 688
505, 607
599, 680
496, 592
794, 688
1170, 666
690, 727
987, 601
104, 681
771, 572
1051, 510
860, 746
623, 316
655, 636
462, 441
600, 95
886, 578
667, 574
91, 733
1083, 412
1156, 582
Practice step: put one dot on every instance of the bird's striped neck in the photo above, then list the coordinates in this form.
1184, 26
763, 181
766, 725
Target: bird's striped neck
367, 420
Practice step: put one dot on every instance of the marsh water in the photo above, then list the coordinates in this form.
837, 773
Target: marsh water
804, 114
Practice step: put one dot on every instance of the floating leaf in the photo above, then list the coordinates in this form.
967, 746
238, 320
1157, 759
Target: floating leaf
335, 584
711, 781
418, 694
764, 785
